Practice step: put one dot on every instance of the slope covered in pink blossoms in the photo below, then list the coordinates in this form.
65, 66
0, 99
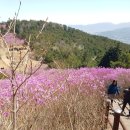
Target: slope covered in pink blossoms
45, 83
11, 39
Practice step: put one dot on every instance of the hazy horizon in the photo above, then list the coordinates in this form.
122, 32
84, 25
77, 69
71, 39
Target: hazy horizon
79, 12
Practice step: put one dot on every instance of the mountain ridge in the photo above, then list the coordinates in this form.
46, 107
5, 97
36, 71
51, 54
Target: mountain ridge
122, 34
100, 27
60, 45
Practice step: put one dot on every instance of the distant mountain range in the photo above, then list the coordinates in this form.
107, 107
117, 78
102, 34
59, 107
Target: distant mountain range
100, 27
120, 32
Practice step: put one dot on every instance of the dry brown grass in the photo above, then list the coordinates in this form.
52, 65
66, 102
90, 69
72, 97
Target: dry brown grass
72, 110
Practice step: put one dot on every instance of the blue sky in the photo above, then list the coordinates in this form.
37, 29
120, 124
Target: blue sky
68, 11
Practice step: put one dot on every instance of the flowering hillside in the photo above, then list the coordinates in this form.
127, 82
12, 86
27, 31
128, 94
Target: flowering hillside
11, 39
49, 87
47, 82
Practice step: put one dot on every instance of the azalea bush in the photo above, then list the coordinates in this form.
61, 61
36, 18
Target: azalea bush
60, 99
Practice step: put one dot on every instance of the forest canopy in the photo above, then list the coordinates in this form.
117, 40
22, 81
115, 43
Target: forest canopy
71, 48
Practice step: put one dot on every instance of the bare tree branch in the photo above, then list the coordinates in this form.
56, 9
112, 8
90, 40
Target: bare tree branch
42, 28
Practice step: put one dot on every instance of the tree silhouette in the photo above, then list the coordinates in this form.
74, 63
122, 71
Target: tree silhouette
112, 54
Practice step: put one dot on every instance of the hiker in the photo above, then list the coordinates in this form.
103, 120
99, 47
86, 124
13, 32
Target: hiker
126, 99
112, 91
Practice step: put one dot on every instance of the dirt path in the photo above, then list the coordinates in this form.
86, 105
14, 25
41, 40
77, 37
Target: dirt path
125, 119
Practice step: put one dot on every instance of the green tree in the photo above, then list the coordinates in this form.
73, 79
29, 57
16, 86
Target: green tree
112, 55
